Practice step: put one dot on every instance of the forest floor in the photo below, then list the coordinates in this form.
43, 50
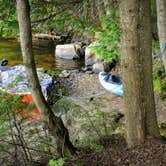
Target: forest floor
115, 151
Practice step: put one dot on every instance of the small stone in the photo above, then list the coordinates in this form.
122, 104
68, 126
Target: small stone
89, 72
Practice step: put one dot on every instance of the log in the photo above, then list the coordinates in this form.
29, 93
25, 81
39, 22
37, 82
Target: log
46, 36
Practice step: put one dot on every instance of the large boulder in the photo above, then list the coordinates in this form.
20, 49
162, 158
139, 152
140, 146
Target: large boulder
92, 61
98, 67
68, 51
90, 56
101, 66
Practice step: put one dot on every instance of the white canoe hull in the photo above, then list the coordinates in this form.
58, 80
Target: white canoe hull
110, 87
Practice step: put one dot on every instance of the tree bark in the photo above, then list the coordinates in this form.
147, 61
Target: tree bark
101, 8
53, 122
151, 126
161, 24
137, 71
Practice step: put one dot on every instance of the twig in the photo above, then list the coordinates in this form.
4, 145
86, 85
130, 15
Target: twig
17, 144
12, 135
63, 145
20, 139
57, 3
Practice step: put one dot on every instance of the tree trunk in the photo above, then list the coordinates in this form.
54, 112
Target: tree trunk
161, 23
151, 126
137, 71
54, 123
101, 8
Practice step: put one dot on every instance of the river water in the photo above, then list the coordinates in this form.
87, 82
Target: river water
44, 56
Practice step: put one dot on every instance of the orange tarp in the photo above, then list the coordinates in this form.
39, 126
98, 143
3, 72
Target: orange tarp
29, 113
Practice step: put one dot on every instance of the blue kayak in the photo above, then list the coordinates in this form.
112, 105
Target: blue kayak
111, 83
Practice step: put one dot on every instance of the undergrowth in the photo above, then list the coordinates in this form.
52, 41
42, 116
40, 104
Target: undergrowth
108, 38
159, 76
89, 124
22, 141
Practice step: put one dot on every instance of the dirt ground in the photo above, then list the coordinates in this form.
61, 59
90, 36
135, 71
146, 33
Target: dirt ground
85, 86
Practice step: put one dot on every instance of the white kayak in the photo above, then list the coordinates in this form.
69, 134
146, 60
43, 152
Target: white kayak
111, 83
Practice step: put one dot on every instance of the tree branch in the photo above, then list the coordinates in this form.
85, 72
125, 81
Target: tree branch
49, 17
57, 3
57, 12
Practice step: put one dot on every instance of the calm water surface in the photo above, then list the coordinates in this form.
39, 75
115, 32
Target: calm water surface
44, 56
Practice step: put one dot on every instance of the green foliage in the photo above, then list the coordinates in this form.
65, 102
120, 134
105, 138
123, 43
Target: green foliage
158, 71
108, 38
64, 21
54, 73
162, 128
160, 87
93, 123
8, 105
97, 124
8, 101
64, 105
17, 133
159, 79
59, 162
155, 47
153, 8
60, 23
8, 18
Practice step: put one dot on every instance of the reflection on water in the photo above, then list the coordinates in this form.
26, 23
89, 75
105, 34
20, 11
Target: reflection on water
44, 56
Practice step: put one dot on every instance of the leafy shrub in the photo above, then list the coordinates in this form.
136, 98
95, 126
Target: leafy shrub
155, 47
64, 105
108, 38
158, 71
159, 79
59, 162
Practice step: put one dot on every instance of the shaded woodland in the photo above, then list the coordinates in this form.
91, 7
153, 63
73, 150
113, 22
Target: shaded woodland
129, 36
